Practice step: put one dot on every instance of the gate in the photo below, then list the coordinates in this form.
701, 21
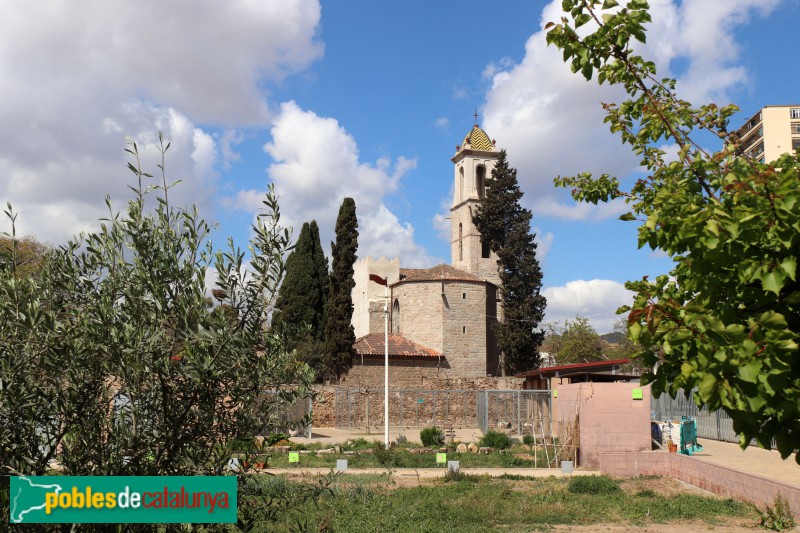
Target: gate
526, 412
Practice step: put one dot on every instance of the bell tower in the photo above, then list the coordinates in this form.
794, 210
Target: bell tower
473, 163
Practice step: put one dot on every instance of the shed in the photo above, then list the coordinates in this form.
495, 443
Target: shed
596, 371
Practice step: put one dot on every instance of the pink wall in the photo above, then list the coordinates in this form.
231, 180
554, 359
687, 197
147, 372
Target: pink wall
610, 419
721, 480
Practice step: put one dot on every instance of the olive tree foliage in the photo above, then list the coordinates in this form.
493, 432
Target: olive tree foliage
724, 323
112, 364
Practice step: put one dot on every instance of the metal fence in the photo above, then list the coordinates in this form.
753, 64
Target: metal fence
526, 412
523, 412
291, 417
715, 425
363, 408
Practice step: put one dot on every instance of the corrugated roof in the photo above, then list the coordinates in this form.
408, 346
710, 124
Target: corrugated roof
569, 369
399, 346
437, 273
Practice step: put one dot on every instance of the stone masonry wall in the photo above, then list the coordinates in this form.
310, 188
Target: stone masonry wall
403, 373
452, 322
420, 317
470, 250
376, 322
367, 295
434, 400
465, 327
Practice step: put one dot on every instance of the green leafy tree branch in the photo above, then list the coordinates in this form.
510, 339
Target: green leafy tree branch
725, 322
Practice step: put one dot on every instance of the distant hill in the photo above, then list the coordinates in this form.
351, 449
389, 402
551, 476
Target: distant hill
615, 337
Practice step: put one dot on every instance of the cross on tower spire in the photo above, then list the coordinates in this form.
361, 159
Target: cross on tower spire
476, 116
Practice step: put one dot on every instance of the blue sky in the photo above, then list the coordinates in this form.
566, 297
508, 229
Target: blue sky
354, 98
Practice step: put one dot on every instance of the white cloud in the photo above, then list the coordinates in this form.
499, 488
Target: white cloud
78, 78
58, 197
228, 142
460, 93
596, 299
703, 33
551, 122
316, 166
544, 241
441, 220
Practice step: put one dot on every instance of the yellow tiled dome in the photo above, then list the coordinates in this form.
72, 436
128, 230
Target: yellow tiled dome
478, 139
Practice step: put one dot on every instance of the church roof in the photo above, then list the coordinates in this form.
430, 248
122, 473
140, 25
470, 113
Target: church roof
437, 273
399, 346
478, 140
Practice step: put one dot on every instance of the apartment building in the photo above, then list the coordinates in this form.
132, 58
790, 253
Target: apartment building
773, 131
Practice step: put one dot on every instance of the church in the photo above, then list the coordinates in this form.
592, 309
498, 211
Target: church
440, 318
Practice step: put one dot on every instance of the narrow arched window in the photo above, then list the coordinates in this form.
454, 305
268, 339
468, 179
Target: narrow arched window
461, 184
460, 242
396, 317
480, 179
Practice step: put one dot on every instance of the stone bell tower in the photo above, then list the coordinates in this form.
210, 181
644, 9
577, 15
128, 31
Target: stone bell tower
473, 163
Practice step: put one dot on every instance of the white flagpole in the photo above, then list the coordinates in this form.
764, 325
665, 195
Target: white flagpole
386, 366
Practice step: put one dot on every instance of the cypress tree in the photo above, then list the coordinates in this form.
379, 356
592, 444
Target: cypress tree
300, 307
505, 225
339, 335
322, 277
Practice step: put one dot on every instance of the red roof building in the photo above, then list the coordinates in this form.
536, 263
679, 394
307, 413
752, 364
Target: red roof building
373, 345
597, 371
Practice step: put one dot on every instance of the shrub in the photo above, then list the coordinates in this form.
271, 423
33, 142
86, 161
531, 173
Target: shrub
356, 444
528, 440
592, 485
776, 517
453, 476
401, 439
275, 438
386, 457
510, 460
431, 436
496, 439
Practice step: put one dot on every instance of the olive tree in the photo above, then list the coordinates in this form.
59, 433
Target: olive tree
111, 362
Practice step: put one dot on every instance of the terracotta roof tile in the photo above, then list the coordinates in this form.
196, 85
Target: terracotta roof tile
399, 346
437, 273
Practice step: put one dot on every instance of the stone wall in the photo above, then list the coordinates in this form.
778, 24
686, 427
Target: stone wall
450, 317
376, 321
421, 309
368, 295
436, 400
403, 373
465, 327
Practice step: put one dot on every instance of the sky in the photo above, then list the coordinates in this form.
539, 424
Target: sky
328, 99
